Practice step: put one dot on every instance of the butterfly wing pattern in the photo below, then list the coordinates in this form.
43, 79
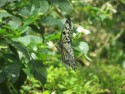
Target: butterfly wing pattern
65, 44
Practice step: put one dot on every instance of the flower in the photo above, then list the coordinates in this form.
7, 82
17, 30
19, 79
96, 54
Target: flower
107, 6
51, 45
81, 29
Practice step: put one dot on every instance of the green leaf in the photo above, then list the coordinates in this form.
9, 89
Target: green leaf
13, 25
12, 71
3, 2
53, 36
3, 31
2, 60
22, 78
123, 1
102, 17
28, 21
38, 70
25, 12
17, 20
22, 29
14, 50
42, 5
50, 21
26, 40
38, 29
35, 8
64, 5
2, 76
11, 0
11, 58
4, 13
21, 48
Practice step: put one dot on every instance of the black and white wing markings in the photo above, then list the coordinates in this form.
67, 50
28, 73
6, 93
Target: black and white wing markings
65, 44
66, 35
68, 55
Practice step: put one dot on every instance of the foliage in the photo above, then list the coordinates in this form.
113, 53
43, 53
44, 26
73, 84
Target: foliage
31, 63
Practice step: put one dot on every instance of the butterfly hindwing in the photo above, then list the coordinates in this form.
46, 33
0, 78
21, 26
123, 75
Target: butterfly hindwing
68, 55
65, 44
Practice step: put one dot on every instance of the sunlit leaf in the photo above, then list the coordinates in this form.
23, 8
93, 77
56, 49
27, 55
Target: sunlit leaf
28, 21
50, 21
123, 1
4, 13
25, 12
53, 36
3, 2
11, 0
42, 5
2, 31
26, 40
64, 5
23, 29
13, 25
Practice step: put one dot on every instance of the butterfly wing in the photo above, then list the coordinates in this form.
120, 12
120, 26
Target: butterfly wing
68, 55
65, 44
66, 35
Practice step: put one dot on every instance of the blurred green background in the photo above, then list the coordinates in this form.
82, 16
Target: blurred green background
30, 62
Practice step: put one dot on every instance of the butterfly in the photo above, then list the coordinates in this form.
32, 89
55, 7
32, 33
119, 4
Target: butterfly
65, 44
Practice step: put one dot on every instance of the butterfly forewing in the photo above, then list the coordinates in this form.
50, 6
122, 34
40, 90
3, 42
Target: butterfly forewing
65, 44
66, 35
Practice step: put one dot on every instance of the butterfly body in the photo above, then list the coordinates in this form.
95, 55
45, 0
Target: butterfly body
65, 45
